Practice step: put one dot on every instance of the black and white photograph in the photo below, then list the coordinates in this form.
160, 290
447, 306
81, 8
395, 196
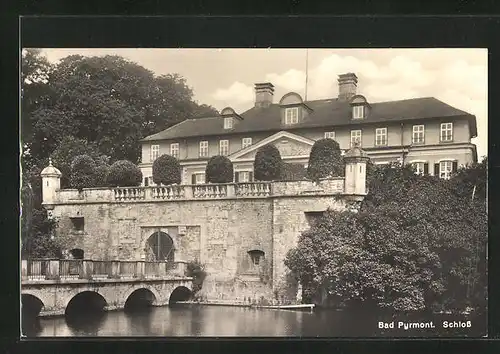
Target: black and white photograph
253, 192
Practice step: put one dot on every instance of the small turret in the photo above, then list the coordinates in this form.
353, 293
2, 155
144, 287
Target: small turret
355, 170
51, 183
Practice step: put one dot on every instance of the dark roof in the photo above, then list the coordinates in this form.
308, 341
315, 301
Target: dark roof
327, 112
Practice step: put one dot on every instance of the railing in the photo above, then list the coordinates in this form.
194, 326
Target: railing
253, 189
51, 269
130, 193
210, 191
168, 192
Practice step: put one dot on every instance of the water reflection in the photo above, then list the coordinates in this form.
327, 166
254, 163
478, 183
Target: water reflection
181, 320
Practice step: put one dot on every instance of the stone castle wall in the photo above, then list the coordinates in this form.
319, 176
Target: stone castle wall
216, 225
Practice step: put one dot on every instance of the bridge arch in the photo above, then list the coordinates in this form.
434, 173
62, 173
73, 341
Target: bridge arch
31, 305
85, 301
147, 292
180, 293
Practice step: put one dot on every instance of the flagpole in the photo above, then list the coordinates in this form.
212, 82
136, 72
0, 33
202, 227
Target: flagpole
307, 70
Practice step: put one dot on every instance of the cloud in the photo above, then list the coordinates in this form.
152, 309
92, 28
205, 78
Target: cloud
237, 93
292, 80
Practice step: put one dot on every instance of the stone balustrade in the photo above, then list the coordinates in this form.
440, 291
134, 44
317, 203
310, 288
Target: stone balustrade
203, 191
67, 269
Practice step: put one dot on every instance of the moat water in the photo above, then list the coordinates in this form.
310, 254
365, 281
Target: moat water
194, 320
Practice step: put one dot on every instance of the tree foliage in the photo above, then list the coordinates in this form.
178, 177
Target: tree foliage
38, 243
196, 270
166, 170
219, 170
416, 243
325, 160
267, 163
83, 171
293, 172
124, 173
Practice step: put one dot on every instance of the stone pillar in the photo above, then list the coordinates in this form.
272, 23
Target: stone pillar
115, 269
231, 193
53, 269
355, 171
188, 191
141, 269
87, 269
24, 269
181, 268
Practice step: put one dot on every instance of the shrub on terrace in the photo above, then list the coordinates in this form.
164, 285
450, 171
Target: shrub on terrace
166, 170
219, 170
267, 164
325, 160
124, 173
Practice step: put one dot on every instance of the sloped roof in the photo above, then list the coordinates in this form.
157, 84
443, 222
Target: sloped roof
327, 112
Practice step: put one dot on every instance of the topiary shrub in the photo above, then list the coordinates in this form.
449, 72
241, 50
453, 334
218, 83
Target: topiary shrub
325, 160
124, 173
219, 170
83, 169
267, 165
166, 170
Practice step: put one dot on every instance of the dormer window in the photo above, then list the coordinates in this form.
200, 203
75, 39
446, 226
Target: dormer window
358, 112
359, 107
228, 123
292, 115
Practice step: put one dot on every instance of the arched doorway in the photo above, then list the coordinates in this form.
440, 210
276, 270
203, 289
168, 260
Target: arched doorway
160, 247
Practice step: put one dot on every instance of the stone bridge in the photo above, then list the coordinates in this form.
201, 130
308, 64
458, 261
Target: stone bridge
54, 287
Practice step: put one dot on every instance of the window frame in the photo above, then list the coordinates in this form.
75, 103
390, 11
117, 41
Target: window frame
355, 136
384, 135
243, 145
443, 129
243, 173
328, 135
228, 122
176, 150
203, 148
444, 173
202, 181
419, 167
416, 133
358, 112
291, 120
226, 147
154, 148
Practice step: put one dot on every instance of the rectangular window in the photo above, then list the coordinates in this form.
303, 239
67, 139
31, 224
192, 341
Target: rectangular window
155, 152
421, 168
292, 115
78, 223
358, 112
445, 169
224, 147
174, 150
228, 123
446, 131
418, 134
245, 142
203, 148
355, 137
380, 136
330, 135
244, 176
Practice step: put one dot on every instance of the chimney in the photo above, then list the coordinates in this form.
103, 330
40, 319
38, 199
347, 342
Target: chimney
264, 94
347, 86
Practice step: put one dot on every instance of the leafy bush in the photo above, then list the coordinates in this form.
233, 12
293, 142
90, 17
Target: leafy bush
37, 242
196, 270
124, 173
166, 170
101, 171
293, 172
325, 160
83, 169
219, 170
267, 165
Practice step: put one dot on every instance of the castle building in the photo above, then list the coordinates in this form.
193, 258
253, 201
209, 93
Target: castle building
425, 132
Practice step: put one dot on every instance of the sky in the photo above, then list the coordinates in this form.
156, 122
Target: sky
226, 77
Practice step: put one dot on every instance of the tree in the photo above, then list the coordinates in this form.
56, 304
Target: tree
267, 163
325, 160
83, 172
39, 242
166, 170
67, 150
124, 173
101, 171
196, 270
414, 244
219, 170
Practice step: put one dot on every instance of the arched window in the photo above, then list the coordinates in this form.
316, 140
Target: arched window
160, 247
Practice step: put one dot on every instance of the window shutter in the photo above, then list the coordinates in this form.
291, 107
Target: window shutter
455, 167
436, 169
236, 177
250, 176
426, 168
193, 179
